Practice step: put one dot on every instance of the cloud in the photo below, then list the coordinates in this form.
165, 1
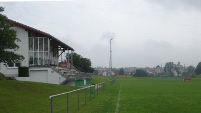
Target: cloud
108, 35
146, 33
178, 4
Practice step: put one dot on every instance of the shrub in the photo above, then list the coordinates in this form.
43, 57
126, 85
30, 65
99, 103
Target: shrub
2, 76
193, 76
23, 72
140, 73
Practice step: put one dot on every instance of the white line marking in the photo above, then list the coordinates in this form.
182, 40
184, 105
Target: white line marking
117, 106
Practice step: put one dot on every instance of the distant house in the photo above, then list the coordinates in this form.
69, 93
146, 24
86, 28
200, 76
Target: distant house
158, 70
41, 51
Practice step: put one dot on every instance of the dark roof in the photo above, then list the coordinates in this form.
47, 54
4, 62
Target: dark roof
28, 28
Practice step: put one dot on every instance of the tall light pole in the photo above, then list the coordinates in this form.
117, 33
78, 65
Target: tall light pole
110, 64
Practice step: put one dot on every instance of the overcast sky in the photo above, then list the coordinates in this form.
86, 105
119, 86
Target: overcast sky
146, 33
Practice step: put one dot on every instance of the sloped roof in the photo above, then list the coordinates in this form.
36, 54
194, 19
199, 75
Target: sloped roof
28, 28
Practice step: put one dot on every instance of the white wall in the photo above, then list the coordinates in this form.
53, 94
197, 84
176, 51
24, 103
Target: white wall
22, 78
54, 77
51, 76
22, 34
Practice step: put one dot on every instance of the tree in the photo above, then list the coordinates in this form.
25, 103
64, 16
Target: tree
198, 69
191, 70
140, 73
7, 41
169, 66
121, 71
83, 64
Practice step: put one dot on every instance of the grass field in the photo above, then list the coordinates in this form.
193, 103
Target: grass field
127, 95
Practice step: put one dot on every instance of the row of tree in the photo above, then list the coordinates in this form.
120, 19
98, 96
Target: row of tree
170, 69
191, 70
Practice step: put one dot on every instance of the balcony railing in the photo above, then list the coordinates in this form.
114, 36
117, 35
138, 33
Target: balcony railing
45, 62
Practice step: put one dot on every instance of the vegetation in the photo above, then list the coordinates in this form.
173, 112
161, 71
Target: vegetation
168, 68
126, 95
198, 69
121, 71
83, 64
140, 73
2, 77
7, 41
23, 71
27, 97
191, 70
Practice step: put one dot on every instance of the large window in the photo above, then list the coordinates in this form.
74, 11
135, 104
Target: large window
30, 44
40, 54
14, 65
35, 44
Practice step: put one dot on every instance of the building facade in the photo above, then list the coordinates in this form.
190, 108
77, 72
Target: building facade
40, 50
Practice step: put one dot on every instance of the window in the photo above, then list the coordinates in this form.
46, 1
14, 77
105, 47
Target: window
45, 44
30, 44
40, 44
31, 60
17, 64
35, 44
38, 50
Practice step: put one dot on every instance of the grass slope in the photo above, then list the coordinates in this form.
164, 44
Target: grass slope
27, 97
127, 95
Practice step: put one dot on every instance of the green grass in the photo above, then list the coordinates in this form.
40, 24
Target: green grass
137, 95
160, 95
27, 97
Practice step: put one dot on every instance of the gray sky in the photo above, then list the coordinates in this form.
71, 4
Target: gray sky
146, 33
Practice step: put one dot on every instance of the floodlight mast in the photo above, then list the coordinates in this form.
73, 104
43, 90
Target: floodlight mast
110, 64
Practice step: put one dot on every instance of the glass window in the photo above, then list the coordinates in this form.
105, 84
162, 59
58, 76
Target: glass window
45, 44
31, 58
30, 44
46, 56
35, 44
17, 64
40, 55
10, 64
40, 44
36, 58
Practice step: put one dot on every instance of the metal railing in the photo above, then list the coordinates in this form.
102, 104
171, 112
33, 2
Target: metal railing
94, 89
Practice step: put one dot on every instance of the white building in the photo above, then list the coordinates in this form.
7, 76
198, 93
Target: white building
41, 51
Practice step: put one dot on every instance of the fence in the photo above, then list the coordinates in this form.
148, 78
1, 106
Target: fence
93, 89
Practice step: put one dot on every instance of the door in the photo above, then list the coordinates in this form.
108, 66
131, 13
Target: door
39, 76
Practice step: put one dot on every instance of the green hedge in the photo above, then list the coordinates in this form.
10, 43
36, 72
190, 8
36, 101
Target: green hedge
2, 76
23, 72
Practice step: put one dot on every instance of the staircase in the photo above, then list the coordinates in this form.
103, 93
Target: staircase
71, 74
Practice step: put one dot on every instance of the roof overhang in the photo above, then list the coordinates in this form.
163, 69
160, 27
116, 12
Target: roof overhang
31, 29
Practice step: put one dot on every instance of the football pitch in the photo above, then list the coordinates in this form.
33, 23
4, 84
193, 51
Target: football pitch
147, 95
